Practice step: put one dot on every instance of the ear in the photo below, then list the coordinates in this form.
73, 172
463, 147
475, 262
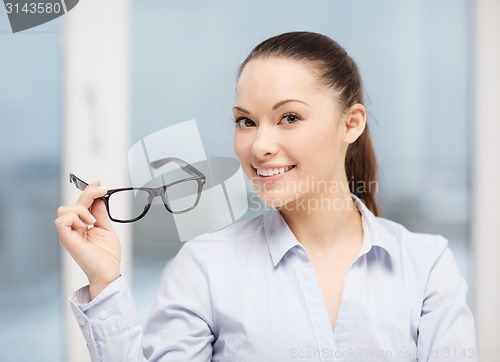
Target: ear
355, 123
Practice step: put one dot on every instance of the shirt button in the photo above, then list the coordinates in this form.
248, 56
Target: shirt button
103, 315
81, 321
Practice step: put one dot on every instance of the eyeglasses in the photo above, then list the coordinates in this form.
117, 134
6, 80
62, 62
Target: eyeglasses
178, 197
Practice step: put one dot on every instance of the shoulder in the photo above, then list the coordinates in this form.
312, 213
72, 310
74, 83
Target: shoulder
240, 230
421, 250
409, 238
226, 242
424, 262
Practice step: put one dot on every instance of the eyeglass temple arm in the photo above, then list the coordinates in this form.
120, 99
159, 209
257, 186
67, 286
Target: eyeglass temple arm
183, 164
80, 184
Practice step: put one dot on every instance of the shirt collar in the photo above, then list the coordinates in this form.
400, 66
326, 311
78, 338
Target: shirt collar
374, 233
280, 238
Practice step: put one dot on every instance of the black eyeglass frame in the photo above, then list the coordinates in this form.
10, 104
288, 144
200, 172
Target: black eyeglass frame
152, 192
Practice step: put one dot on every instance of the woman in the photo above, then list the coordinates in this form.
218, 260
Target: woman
318, 276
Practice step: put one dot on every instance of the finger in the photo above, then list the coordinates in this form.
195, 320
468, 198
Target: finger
91, 192
82, 212
101, 215
67, 224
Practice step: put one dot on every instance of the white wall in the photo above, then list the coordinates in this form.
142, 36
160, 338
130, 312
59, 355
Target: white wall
486, 176
96, 119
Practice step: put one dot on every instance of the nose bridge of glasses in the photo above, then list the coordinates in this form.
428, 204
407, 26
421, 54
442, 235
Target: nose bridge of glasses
160, 191
153, 193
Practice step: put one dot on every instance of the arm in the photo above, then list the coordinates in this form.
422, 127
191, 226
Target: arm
181, 322
109, 323
178, 329
446, 331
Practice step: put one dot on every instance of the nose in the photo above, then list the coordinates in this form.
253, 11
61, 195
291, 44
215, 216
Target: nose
265, 143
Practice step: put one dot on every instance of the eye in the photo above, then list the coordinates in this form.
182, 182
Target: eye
244, 122
290, 118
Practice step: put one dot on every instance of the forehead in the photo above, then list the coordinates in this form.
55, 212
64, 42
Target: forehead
277, 77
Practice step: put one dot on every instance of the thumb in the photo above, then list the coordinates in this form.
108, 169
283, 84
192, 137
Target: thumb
101, 215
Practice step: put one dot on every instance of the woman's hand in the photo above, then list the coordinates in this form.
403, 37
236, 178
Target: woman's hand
95, 248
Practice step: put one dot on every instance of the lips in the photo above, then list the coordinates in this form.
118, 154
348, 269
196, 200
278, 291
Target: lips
272, 171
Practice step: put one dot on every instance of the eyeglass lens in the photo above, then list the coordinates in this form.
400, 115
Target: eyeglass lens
180, 197
118, 201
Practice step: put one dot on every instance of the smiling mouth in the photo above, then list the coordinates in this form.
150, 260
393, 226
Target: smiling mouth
268, 172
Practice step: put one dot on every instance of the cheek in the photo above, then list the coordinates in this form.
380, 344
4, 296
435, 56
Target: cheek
324, 152
243, 149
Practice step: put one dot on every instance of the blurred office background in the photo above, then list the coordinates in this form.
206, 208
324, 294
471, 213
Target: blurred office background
180, 63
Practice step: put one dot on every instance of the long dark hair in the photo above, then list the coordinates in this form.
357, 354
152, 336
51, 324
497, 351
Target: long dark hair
338, 71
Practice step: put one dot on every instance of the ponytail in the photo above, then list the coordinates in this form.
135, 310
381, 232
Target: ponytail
361, 170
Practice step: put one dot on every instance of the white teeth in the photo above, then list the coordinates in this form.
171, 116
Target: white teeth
273, 171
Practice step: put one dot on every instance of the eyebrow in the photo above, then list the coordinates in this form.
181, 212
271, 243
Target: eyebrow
275, 107
242, 110
279, 104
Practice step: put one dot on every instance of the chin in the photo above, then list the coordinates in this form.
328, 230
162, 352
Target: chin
277, 201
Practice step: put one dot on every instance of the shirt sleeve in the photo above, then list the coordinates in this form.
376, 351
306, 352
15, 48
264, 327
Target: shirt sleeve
178, 328
181, 323
446, 331
109, 323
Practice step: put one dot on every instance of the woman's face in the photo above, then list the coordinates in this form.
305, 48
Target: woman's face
289, 136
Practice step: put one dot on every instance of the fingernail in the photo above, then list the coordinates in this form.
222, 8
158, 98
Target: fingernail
93, 219
96, 182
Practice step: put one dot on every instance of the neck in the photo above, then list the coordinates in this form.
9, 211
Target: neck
325, 222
